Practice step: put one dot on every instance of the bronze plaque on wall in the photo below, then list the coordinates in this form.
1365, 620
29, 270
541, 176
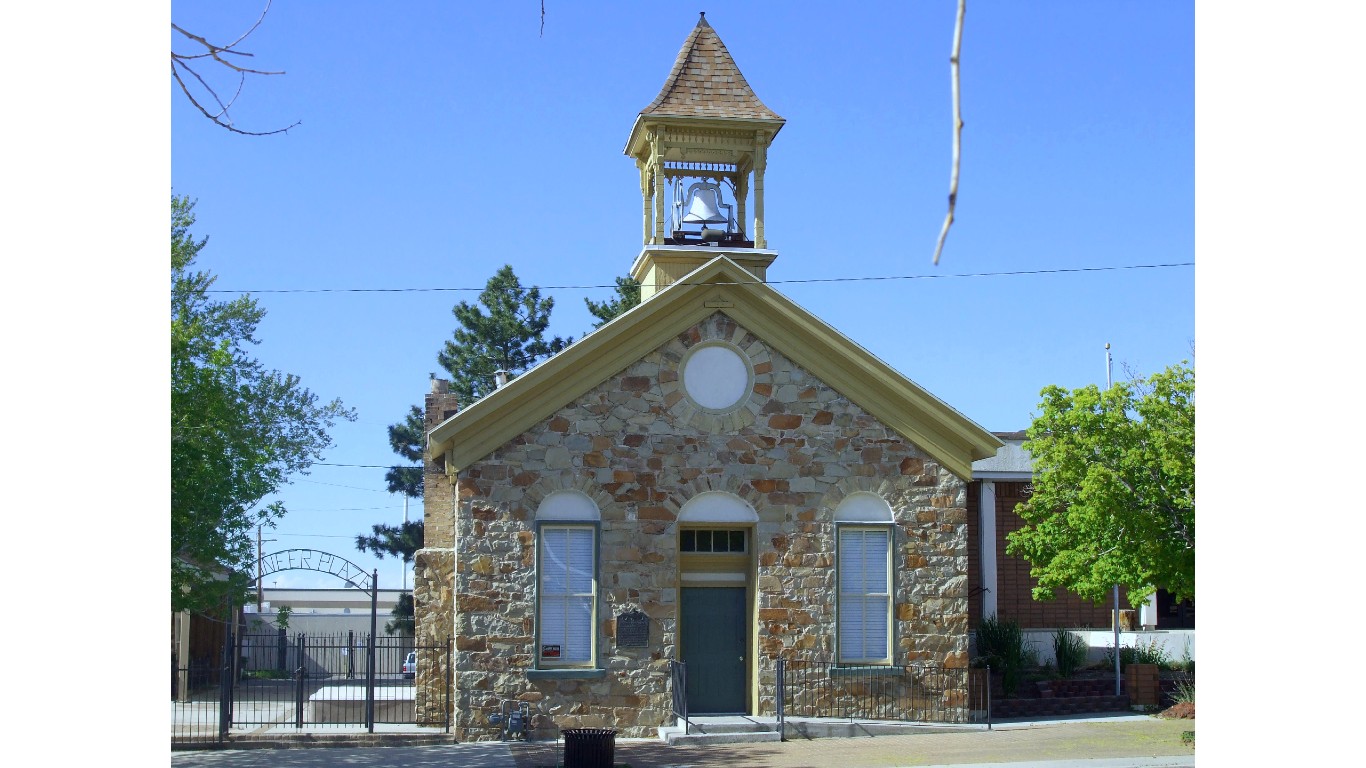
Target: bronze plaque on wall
633, 630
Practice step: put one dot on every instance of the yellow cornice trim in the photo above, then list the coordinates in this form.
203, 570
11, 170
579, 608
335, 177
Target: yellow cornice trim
634, 142
948, 436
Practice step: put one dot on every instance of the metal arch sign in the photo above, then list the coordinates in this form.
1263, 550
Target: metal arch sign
313, 560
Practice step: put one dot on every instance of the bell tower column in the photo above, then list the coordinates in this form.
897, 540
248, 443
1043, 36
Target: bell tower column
645, 201
760, 163
657, 165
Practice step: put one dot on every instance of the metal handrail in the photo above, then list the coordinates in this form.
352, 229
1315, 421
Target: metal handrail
678, 677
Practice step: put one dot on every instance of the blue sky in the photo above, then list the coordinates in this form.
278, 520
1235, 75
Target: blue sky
439, 141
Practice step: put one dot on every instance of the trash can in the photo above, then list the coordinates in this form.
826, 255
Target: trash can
589, 747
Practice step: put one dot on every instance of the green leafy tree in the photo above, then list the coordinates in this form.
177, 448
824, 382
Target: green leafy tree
403, 542
403, 622
628, 295
238, 431
504, 331
405, 438
1113, 497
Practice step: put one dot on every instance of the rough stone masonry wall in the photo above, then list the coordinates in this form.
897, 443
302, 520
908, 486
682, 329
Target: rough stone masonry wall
640, 449
433, 574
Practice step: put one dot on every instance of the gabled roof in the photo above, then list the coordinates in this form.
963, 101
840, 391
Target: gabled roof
706, 83
719, 285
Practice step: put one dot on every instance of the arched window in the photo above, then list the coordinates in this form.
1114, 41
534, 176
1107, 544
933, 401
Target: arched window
566, 577
863, 526
717, 507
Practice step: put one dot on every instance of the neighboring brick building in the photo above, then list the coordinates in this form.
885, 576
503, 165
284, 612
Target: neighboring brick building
1001, 584
715, 476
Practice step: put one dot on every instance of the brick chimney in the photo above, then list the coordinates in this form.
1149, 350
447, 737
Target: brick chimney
441, 404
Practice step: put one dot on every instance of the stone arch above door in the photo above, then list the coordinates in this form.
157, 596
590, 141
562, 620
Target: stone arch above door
717, 507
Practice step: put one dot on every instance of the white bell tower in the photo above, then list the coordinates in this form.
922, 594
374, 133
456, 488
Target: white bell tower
701, 148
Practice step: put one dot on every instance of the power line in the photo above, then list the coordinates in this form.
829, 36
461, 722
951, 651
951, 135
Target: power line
1015, 273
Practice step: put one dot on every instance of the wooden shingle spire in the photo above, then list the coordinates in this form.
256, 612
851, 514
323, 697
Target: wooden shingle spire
705, 82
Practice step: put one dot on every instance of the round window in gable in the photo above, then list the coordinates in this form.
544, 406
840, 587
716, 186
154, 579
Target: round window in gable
717, 376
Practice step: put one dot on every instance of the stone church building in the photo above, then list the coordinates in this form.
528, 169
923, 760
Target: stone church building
716, 477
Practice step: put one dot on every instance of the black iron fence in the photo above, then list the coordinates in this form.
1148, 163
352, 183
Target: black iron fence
272, 684
818, 687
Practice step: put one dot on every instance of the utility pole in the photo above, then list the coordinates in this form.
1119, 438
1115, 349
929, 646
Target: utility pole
1117, 674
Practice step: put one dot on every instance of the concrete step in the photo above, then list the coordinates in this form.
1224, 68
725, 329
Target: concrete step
721, 730
676, 737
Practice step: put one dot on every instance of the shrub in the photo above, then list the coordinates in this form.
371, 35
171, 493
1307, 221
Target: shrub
1185, 692
1070, 652
1001, 645
1151, 652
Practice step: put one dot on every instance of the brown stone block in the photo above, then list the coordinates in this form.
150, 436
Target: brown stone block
559, 424
763, 390
912, 466
767, 559
473, 604
655, 513
466, 643
523, 479
763, 367
764, 485
634, 441
785, 421
635, 383
773, 614
594, 459
483, 513
916, 561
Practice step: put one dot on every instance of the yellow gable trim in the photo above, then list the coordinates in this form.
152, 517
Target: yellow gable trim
720, 285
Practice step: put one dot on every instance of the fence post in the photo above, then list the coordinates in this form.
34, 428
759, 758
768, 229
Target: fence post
988, 697
225, 689
370, 675
299, 684
781, 697
450, 672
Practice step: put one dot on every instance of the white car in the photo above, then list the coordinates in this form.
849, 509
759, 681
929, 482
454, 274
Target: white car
410, 664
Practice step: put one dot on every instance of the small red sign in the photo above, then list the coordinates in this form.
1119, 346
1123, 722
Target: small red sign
550, 651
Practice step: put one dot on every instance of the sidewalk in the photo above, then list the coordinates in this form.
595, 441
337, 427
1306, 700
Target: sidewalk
1112, 742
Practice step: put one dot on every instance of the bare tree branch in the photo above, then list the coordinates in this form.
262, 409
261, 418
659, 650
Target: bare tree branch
957, 127
182, 62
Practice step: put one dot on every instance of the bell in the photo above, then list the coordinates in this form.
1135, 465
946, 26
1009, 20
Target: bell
704, 207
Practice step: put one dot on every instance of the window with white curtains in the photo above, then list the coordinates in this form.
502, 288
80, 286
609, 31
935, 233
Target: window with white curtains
568, 582
865, 594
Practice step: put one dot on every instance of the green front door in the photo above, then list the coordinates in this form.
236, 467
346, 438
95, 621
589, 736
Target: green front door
713, 646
